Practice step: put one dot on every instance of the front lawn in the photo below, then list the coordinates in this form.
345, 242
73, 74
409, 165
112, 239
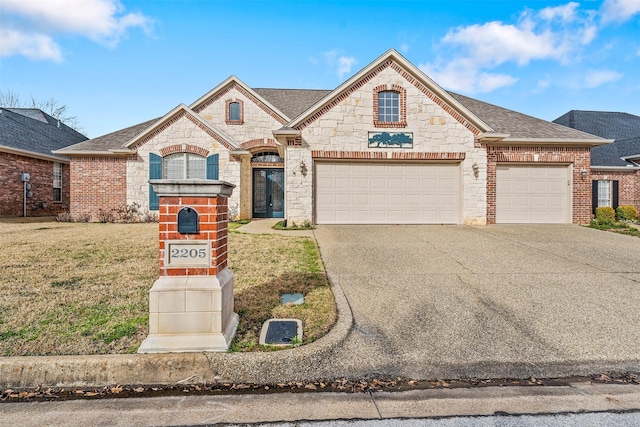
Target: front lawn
70, 288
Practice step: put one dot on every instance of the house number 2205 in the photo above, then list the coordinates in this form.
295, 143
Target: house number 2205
188, 253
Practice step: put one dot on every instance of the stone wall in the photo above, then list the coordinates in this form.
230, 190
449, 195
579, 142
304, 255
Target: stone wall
41, 202
346, 127
256, 123
187, 137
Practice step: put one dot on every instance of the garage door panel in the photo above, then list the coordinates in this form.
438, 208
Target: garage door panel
532, 194
379, 193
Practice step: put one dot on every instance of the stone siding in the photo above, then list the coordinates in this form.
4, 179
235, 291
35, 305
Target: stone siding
346, 127
256, 123
182, 133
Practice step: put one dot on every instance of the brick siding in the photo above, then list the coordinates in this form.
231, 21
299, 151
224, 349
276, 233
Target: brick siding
579, 157
99, 183
41, 203
628, 185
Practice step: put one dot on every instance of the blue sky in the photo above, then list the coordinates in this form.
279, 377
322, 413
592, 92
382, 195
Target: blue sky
117, 63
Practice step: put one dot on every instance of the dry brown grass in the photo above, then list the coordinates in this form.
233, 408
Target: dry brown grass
69, 288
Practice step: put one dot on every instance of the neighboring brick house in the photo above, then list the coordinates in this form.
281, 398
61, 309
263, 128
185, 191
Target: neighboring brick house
387, 146
28, 137
615, 167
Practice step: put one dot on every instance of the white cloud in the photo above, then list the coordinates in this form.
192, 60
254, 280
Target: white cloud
37, 23
619, 10
464, 76
336, 61
469, 53
595, 78
344, 65
33, 46
566, 13
404, 48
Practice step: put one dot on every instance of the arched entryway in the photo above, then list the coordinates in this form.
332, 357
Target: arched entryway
267, 184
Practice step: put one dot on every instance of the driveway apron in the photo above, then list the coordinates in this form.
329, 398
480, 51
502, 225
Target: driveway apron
484, 302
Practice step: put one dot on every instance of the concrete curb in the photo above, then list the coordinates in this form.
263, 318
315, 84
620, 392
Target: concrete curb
296, 364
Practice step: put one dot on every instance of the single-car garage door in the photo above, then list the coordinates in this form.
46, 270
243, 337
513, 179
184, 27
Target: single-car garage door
387, 193
532, 194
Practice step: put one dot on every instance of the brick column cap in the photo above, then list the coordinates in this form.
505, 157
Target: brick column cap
191, 187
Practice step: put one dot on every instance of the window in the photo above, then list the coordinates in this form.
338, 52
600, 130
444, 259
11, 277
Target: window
388, 106
267, 157
57, 182
604, 193
234, 113
184, 166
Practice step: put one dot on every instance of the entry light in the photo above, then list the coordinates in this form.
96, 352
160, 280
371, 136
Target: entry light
303, 168
583, 173
476, 170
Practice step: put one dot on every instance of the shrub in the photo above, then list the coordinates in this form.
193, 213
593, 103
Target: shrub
628, 213
605, 215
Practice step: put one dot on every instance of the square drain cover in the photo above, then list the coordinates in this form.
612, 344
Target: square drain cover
295, 299
280, 331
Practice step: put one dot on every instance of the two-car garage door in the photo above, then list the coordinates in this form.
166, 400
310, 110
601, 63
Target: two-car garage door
387, 193
532, 194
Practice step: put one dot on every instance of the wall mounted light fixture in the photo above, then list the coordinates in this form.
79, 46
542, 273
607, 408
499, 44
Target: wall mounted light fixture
303, 168
583, 173
476, 170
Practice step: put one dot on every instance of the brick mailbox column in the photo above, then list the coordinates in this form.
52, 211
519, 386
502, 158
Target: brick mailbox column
191, 303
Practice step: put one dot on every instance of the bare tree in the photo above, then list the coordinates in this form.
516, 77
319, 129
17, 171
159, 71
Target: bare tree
9, 99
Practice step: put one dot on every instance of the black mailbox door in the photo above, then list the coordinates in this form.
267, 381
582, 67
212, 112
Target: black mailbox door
188, 221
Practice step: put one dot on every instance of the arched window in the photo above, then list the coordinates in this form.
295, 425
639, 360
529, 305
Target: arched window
267, 157
390, 106
184, 166
234, 111
234, 114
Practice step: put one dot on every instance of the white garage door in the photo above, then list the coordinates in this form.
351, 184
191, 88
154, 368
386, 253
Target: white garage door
387, 193
532, 194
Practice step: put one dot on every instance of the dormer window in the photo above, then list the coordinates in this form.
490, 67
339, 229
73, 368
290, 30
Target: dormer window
235, 113
390, 107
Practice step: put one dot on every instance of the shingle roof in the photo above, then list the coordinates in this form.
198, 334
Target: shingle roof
605, 124
32, 130
623, 127
292, 102
113, 140
517, 125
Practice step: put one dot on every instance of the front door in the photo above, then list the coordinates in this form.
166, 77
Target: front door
268, 193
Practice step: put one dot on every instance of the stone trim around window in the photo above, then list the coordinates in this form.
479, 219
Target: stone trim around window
227, 110
402, 94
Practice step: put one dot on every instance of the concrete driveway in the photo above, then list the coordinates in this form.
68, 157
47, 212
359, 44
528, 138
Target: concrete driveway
485, 302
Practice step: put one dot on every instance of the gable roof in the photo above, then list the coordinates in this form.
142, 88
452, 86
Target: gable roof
293, 102
521, 126
606, 124
233, 82
105, 144
389, 58
173, 115
615, 154
32, 132
624, 128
